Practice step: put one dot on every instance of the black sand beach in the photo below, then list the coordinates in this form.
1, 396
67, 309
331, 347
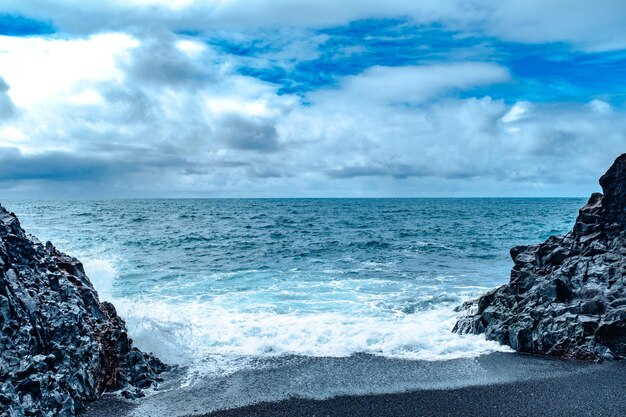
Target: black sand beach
499, 384
600, 393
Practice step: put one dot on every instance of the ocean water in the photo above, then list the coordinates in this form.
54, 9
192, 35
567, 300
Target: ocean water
218, 285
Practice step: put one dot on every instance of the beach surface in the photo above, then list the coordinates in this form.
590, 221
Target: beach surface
499, 384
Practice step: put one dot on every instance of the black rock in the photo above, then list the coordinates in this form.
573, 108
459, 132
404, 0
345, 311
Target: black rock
566, 296
60, 347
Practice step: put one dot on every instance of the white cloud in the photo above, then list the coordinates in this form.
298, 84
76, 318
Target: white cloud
191, 47
517, 112
600, 106
115, 98
415, 84
467, 140
591, 26
39, 69
139, 116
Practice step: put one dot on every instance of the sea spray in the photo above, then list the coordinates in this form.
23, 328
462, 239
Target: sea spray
211, 339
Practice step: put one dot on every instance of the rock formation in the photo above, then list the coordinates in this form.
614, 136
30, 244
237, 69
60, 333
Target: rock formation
60, 347
566, 296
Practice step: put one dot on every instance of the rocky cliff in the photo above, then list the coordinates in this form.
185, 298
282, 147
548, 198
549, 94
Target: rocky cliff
60, 347
566, 296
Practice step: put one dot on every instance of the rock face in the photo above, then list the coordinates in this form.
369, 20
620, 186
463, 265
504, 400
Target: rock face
566, 296
60, 347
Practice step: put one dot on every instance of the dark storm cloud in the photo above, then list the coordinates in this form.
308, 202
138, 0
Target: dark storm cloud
66, 166
399, 171
54, 166
249, 134
403, 171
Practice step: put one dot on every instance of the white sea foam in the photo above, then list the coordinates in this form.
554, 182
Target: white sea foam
102, 274
214, 338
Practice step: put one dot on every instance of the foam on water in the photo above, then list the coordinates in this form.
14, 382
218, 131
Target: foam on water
211, 339
217, 285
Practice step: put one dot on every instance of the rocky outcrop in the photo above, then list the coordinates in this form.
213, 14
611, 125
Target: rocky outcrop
60, 347
566, 296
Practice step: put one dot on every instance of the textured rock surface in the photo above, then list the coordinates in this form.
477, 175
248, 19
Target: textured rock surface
59, 346
566, 296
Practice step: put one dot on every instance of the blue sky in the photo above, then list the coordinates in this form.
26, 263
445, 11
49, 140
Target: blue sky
542, 72
155, 98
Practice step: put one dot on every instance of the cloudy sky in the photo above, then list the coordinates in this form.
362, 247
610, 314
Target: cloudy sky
302, 98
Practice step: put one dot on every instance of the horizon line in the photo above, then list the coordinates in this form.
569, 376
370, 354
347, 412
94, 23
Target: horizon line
292, 198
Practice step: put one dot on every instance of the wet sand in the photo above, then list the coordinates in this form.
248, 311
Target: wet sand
500, 384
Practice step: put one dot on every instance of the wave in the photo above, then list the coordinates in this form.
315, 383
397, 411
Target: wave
208, 337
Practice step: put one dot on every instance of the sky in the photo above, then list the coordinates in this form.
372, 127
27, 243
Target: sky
302, 98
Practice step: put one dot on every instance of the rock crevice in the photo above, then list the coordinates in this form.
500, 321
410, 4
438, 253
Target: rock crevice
567, 296
60, 347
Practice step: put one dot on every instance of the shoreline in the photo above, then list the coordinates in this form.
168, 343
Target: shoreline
595, 394
496, 384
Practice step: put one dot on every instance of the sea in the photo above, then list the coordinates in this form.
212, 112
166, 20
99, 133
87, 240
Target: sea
218, 285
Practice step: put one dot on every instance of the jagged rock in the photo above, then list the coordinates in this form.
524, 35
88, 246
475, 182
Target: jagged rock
60, 347
566, 296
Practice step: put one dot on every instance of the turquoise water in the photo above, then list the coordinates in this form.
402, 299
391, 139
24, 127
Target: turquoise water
216, 284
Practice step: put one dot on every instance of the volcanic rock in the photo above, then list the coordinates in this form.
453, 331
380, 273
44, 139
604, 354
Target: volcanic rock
566, 296
60, 347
